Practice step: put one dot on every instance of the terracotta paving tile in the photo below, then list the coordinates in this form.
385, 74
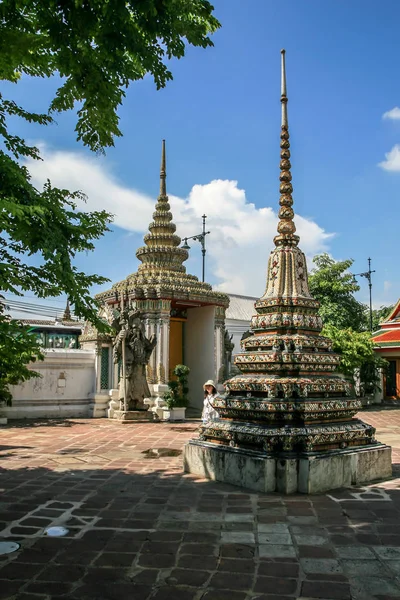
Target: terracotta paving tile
140, 528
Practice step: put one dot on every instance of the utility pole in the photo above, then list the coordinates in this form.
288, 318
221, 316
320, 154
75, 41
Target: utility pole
367, 276
203, 246
200, 237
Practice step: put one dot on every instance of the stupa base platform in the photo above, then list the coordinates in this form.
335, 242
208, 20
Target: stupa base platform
311, 473
132, 416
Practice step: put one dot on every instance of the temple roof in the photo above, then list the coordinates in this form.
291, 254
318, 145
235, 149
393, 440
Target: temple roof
390, 336
52, 323
394, 316
241, 308
389, 333
162, 273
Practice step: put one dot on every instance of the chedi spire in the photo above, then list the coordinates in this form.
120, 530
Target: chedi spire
286, 226
162, 251
289, 396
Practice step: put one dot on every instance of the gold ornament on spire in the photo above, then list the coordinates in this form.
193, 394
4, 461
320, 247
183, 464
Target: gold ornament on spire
286, 226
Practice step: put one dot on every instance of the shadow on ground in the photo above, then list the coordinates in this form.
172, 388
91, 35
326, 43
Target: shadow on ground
140, 529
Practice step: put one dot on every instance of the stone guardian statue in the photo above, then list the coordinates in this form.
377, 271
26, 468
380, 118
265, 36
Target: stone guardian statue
129, 328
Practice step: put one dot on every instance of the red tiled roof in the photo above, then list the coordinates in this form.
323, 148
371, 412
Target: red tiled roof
388, 336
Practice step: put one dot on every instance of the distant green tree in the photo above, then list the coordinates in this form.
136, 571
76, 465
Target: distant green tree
357, 356
346, 321
333, 285
96, 48
379, 315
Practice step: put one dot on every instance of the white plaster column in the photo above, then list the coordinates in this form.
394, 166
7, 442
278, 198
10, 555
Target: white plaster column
219, 351
115, 381
165, 347
161, 352
153, 358
162, 349
98, 368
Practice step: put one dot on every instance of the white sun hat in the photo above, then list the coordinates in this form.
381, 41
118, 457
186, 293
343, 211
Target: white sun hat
209, 382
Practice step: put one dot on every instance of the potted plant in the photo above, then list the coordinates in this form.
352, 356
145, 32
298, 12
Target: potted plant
5, 400
176, 398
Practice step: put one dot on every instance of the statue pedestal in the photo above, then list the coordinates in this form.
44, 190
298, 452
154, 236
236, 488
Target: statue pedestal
133, 416
308, 474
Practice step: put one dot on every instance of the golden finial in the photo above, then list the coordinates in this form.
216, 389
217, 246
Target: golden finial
163, 172
286, 226
283, 89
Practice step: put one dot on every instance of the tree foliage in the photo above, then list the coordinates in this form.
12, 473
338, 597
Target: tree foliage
96, 48
333, 285
21, 349
379, 315
177, 394
346, 321
99, 47
355, 347
358, 359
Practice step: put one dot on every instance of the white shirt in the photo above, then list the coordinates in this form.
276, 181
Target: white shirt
209, 413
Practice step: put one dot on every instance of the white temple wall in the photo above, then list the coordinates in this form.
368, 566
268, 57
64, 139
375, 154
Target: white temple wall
199, 351
64, 390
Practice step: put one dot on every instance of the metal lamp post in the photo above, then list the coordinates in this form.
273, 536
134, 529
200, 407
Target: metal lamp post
200, 237
367, 276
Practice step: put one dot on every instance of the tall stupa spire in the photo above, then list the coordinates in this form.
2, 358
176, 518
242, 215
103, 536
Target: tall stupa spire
286, 226
287, 418
163, 172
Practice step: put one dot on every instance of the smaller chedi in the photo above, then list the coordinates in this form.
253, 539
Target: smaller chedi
287, 422
181, 321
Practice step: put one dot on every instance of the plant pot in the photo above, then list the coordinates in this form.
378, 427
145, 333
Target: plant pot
3, 415
172, 414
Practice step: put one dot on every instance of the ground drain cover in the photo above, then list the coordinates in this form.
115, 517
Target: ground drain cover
9, 547
56, 531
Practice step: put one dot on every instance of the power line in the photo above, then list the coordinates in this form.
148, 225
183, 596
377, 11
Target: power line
34, 309
36, 298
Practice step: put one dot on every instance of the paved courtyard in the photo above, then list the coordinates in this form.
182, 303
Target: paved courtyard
139, 529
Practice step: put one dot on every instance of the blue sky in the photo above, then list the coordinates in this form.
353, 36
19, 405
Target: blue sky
221, 117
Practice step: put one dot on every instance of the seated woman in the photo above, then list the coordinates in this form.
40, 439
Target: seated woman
210, 392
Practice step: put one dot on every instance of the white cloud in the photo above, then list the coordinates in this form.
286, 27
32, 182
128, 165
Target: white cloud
241, 234
392, 159
393, 114
387, 286
91, 175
